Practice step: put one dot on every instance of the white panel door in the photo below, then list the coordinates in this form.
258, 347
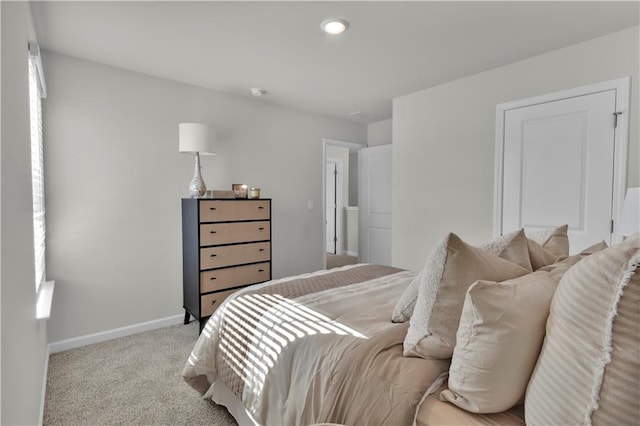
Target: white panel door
374, 200
559, 167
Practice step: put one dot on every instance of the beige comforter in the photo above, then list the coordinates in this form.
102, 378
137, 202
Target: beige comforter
316, 348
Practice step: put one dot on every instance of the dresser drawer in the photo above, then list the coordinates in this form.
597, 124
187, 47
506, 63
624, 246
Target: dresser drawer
220, 279
217, 257
210, 302
223, 211
234, 232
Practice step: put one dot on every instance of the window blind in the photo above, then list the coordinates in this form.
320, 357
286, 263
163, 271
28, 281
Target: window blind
36, 92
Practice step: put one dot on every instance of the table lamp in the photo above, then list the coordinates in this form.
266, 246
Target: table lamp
196, 138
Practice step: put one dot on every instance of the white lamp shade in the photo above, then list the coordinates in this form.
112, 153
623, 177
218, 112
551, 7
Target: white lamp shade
196, 137
629, 221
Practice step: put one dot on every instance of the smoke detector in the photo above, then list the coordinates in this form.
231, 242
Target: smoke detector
256, 91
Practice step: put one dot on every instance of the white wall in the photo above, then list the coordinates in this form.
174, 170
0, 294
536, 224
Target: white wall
23, 337
443, 139
353, 179
114, 179
0, 217
351, 219
379, 133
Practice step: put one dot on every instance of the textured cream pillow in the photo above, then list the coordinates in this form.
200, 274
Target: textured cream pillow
588, 371
449, 272
407, 301
498, 341
513, 246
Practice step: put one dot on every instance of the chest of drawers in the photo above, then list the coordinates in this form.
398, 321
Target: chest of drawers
226, 245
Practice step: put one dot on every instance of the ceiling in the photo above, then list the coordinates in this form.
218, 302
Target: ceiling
390, 49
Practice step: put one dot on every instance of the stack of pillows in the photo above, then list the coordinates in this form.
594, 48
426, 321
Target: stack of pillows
486, 308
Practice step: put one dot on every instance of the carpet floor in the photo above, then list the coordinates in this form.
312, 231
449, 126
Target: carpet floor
134, 380
337, 260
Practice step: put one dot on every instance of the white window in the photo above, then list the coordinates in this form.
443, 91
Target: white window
37, 91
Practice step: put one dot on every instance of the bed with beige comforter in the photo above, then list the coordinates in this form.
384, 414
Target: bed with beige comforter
316, 348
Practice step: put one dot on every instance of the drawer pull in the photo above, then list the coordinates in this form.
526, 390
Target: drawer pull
213, 255
212, 208
213, 278
213, 232
213, 302
260, 270
261, 249
260, 207
261, 229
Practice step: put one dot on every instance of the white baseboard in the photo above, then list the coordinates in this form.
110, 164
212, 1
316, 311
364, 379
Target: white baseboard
352, 253
76, 342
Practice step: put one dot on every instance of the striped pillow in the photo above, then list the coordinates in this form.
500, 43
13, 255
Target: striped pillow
589, 368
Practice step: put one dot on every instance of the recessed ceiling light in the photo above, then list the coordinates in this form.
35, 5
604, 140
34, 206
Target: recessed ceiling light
334, 26
256, 91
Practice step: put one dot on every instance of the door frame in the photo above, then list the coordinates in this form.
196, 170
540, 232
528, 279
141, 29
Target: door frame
336, 142
338, 197
621, 140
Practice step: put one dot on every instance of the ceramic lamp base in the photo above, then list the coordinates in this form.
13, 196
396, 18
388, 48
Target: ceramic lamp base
197, 187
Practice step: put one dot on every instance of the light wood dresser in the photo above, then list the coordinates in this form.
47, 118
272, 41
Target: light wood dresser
226, 245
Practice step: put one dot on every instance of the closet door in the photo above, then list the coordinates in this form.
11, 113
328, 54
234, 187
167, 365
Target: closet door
374, 199
559, 167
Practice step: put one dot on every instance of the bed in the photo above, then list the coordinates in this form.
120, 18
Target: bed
486, 328
314, 348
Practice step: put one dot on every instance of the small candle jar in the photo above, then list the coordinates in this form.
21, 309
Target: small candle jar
254, 192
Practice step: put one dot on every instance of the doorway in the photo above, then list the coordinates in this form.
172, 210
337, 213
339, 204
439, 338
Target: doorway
561, 158
340, 202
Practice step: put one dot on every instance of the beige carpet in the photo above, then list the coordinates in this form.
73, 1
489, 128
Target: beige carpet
336, 260
135, 380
